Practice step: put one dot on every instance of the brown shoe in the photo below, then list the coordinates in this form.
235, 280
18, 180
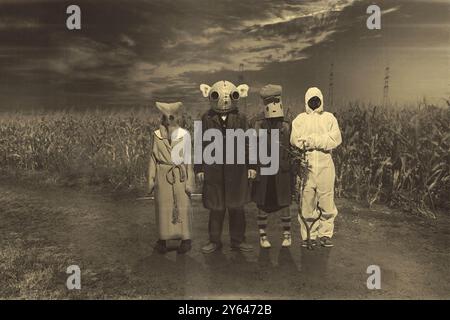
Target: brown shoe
243, 247
305, 243
326, 242
161, 246
211, 247
185, 246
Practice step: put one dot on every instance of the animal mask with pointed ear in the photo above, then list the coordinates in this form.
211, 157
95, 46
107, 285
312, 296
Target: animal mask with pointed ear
172, 114
223, 95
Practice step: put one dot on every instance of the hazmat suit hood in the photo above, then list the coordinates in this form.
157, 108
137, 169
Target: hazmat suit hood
315, 95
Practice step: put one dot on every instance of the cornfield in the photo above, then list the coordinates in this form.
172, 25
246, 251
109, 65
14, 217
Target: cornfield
398, 157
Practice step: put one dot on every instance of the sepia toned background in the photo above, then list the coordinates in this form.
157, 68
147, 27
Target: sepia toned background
131, 53
77, 112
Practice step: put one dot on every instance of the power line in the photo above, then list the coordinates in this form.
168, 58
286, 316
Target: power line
331, 86
241, 81
241, 73
386, 87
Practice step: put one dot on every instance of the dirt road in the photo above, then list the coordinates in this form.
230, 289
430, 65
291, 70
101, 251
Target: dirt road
44, 230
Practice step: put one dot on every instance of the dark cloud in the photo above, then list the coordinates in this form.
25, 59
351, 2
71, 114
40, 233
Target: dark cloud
134, 52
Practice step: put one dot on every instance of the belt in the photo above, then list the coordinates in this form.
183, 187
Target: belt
170, 176
171, 179
319, 150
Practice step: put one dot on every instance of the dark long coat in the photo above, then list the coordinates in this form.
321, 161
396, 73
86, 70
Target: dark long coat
283, 180
225, 185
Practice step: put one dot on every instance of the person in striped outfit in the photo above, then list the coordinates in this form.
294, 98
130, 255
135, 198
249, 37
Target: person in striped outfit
273, 193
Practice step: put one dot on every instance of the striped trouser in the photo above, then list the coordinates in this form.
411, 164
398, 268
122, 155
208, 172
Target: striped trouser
285, 221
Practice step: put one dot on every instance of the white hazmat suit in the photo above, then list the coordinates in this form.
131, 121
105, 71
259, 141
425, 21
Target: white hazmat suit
318, 132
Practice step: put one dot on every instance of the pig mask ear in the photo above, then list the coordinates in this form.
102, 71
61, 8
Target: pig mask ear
204, 88
243, 90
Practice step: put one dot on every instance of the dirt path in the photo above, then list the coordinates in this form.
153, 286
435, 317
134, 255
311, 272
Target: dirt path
42, 231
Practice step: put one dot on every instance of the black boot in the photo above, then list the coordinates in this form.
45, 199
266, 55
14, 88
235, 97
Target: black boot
161, 246
185, 246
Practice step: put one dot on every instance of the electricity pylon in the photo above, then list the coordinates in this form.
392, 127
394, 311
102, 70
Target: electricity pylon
331, 87
241, 81
386, 87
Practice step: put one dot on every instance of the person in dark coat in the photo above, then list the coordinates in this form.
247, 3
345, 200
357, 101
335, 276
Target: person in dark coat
273, 193
225, 186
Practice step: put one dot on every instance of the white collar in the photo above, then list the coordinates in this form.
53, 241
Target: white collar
178, 133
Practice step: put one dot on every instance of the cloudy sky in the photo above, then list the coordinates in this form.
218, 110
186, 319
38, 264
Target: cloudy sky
137, 51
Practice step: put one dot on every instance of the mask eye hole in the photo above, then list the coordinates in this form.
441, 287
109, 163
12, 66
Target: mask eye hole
214, 96
270, 100
314, 102
267, 108
235, 95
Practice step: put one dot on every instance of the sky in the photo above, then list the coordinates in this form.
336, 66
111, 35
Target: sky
136, 52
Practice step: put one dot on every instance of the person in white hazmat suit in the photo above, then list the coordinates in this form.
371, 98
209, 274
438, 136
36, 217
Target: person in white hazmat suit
318, 132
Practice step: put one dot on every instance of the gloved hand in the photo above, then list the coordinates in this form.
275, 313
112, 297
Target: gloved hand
150, 187
310, 143
300, 143
200, 177
251, 174
188, 191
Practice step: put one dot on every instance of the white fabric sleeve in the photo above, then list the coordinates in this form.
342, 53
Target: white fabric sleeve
329, 140
295, 135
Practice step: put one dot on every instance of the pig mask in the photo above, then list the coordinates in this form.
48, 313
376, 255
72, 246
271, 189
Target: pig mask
223, 95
